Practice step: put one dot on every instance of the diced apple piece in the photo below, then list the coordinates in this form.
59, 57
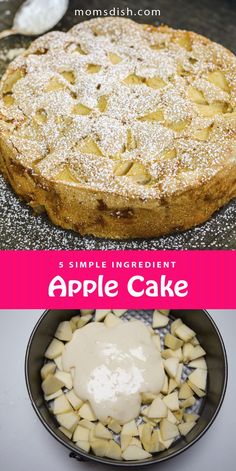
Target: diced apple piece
179, 373
168, 353
145, 411
172, 401
61, 405
125, 441
159, 320
172, 385
166, 312
195, 341
153, 116
92, 436
111, 320
196, 95
157, 409
133, 452
197, 352
188, 402
183, 40
64, 331
85, 312
184, 333
114, 426
174, 325
179, 415
74, 400
66, 432
58, 363
155, 442
84, 445
84, 320
99, 446
135, 441
198, 363
185, 391
80, 433
187, 351
168, 430
113, 450
138, 172
51, 385
130, 429
179, 354
198, 378
164, 444
218, 79
119, 312
146, 436
55, 348
155, 82
212, 109
100, 314
191, 417
65, 378
73, 325
87, 424
86, 412
69, 420
165, 386
152, 422
93, 68
172, 342
105, 421
147, 397
102, 432
197, 390
47, 369
75, 319
151, 330
185, 427
140, 429
171, 366
171, 417
11, 80
157, 342
202, 134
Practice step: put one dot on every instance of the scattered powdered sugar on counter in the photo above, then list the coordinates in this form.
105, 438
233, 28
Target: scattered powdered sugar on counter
20, 229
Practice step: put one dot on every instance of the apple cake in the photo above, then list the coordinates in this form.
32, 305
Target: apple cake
119, 129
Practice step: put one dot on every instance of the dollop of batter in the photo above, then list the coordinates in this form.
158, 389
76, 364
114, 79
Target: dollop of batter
113, 366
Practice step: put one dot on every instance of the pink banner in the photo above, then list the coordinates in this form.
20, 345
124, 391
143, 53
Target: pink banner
128, 279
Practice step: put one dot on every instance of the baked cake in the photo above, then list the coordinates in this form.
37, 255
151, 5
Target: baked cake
119, 129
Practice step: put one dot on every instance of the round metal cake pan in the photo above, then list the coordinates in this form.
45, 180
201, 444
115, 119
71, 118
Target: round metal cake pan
210, 339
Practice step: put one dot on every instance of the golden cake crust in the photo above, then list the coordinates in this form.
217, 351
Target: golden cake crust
121, 130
